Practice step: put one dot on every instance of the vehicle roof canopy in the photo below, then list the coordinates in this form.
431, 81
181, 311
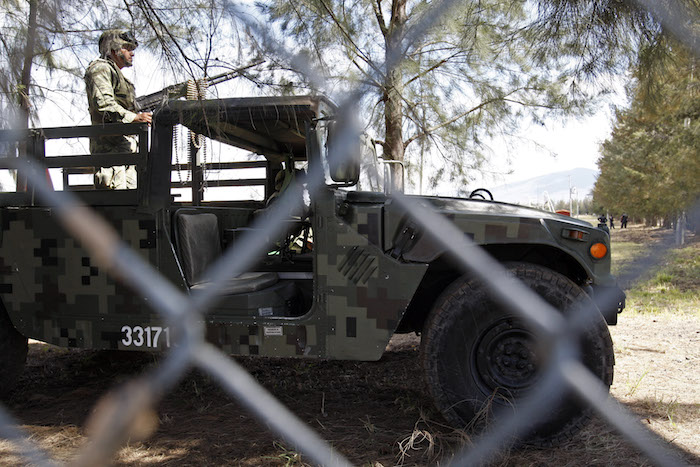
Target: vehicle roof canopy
271, 126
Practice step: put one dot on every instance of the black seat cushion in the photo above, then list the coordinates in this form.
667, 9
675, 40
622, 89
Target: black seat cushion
199, 243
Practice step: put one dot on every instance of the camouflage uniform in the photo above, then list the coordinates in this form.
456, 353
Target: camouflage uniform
111, 99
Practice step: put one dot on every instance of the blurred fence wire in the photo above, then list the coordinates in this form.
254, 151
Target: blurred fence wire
115, 416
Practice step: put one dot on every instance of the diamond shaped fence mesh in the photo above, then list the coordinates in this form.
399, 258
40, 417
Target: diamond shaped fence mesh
185, 314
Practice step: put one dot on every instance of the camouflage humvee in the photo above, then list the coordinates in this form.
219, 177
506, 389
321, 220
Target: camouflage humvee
350, 271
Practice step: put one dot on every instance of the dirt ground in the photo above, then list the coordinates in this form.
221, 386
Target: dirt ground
375, 413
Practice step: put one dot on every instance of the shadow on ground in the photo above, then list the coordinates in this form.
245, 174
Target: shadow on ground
373, 412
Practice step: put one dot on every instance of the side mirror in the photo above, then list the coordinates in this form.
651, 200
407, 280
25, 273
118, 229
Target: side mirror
344, 150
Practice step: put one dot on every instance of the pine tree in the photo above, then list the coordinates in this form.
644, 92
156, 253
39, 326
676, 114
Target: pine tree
473, 75
46, 45
650, 165
34, 36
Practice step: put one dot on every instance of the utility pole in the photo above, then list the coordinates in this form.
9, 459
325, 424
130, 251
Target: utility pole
573, 192
571, 210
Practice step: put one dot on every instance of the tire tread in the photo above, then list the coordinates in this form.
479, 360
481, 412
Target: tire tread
443, 317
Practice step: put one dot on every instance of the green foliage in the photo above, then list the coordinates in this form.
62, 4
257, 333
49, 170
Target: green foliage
33, 35
48, 60
473, 76
192, 38
588, 207
592, 34
650, 166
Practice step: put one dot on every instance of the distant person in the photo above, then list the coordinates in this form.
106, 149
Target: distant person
111, 99
623, 221
612, 222
602, 222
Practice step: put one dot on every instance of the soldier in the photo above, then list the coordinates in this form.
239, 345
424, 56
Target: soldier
623, 221
111, 99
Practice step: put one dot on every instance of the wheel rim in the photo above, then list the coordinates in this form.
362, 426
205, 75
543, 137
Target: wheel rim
505, 360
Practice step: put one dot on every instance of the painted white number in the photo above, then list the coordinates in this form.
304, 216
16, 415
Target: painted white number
156, 335
149, 337
138, 330
127, 337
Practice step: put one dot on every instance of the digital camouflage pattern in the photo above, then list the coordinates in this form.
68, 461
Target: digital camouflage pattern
364, 291
50, 283
111, 99
369, 269
492, 223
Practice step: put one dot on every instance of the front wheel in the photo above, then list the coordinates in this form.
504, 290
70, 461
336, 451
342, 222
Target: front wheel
479, 359
13, 353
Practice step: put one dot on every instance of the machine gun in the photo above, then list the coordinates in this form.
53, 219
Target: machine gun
152, 101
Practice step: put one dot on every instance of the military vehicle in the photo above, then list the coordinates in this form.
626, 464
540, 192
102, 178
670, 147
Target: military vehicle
349, 272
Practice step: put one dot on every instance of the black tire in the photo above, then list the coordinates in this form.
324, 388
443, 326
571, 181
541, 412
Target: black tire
479, 359
13, 353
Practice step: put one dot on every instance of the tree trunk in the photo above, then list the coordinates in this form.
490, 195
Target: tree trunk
25, 81
23, 88
393, 88
680, 229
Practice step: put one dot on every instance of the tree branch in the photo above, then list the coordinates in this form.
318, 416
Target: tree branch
432, 68
462, 115
357, 49
526, 104
147, 8
370, 79
306, 29
377, 7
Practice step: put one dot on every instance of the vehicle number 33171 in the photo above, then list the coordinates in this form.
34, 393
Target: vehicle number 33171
151, 336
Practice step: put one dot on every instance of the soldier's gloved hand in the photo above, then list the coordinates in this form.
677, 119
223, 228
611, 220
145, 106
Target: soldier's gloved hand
144, 117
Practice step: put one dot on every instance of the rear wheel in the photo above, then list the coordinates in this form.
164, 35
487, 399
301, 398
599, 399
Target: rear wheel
13, 353
479, 359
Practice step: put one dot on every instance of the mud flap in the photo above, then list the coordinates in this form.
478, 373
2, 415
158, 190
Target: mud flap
609, 300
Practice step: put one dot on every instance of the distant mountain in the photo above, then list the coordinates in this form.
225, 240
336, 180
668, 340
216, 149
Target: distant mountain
555, 185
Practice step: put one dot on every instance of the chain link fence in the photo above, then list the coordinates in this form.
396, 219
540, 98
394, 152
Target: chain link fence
118, 413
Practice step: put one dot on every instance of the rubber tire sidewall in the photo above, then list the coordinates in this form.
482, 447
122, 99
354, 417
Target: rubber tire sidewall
462, 314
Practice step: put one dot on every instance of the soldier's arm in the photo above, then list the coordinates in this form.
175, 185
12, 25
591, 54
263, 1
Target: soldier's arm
101, 94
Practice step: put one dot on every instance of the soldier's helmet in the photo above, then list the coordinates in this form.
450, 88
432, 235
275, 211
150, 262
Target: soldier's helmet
115, 39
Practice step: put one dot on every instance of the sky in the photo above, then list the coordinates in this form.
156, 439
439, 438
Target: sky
562, 146
556, 147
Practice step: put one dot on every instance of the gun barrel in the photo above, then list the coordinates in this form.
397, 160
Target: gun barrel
156, 99
216, 79
151, 101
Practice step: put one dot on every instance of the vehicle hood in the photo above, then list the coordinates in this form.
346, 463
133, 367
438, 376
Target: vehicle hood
493, 209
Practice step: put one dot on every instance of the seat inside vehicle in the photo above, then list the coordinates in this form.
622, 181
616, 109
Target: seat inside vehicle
199, 244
